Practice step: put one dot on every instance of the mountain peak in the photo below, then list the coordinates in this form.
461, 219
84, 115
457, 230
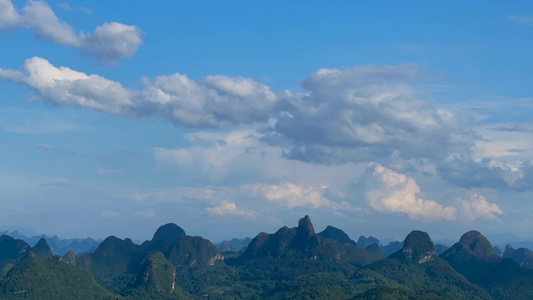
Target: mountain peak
41, 249
169, 233
478, 244
418, 246
305, 226
337, 235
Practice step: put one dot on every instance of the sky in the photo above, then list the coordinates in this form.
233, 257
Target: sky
231, 118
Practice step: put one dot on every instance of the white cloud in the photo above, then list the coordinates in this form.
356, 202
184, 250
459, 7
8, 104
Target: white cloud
228, 208
38, 15
109, 214
398, 193
66, 6
478, 208
64, 86
215, 157
9, 17
334, 124
291, 195
109, 42
150, 213
176, 98
326, 79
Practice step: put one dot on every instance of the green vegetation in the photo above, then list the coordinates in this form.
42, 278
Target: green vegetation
38, 278
293, 263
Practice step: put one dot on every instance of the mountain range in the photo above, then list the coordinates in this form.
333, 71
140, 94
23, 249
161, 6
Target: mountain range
291, 263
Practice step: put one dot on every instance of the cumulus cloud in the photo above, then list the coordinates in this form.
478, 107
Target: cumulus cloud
291, 195
338, 123
39, 15
398, 193
109, 42
228, 208
478, 208
64, 86
331, 123
175, 97
9, 17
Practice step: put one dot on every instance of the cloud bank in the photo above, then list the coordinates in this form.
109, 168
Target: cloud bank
352, 116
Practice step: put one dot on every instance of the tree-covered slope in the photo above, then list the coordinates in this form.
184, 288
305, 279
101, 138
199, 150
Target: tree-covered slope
38, 278
417, 267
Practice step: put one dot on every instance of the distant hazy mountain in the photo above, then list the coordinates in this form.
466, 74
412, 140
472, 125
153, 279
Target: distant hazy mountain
57, 245
503, 238
522, 256
441, 248
235, 245
364, 242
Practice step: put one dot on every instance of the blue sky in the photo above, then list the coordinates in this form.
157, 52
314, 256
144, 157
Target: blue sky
231, 118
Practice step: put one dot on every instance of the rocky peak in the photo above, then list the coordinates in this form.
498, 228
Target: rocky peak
169, 233
70, 258
305, 227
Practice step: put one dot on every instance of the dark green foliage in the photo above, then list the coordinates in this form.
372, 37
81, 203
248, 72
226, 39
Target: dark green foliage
157, 275
386, 293
417, 267
520, 255
509, 281
302, 240
473, 256
169, 233
37, 278
11, 252
293, 263
111, 262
